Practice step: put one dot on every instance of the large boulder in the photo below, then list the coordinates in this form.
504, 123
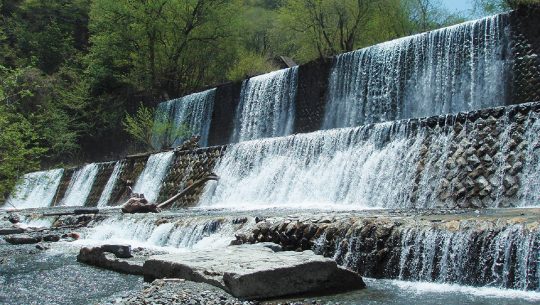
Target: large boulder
23, 239
9, 231
255, 272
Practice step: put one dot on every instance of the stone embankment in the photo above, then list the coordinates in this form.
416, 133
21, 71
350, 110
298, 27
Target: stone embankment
492, 247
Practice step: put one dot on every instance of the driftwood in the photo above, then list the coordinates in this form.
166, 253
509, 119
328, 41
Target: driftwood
74, 212
187, 190
139, 204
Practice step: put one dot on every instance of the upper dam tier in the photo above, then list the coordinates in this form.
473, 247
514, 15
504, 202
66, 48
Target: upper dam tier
478, 64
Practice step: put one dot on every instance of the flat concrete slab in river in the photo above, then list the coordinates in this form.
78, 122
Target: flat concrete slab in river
255, 271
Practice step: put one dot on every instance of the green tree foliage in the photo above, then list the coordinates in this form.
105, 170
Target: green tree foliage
19, 149
153, 133
162, 46
484, 7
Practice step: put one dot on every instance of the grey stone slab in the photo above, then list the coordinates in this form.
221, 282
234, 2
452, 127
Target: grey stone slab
255, 272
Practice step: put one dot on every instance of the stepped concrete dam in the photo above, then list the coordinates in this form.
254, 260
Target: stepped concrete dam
407, 171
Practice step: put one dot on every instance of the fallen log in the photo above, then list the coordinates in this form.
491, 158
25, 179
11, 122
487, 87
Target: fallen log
187, 190
74, 212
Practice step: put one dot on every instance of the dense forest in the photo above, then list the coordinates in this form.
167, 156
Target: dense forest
70, 70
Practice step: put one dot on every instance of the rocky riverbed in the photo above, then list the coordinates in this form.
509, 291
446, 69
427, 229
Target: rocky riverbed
386, 244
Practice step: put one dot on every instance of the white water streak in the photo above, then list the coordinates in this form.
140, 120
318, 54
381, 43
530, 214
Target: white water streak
150, 181
36, 190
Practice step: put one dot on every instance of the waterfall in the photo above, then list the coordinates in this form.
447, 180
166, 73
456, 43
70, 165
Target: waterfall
458, 68
36, 190
385, 165
530, 180
353, 167
266, 107
191, 113
111, 183
80, 186
192, 232
504, 258
151, 178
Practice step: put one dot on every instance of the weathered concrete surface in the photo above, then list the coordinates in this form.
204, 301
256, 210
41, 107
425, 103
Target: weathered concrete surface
254, 272
98, 257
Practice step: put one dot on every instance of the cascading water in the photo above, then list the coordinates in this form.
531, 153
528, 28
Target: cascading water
162, 120
459, 68
385, 165
505, 258
347, 166
80, 186
151, 178
36, 190
193, 112
530, 192
111, 183
266, 107
191, 232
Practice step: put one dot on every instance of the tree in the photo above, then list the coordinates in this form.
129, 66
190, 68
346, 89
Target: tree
152, 131
19, 149
163, 46
484, 7
319, 28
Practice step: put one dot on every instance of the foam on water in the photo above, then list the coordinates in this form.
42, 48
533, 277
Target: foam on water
80, 186
189, 233
487, 292
267, 106
35, 190
458, 68
151, 178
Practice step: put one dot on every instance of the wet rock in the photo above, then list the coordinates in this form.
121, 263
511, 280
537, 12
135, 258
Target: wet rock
120, 251
42, 247
14, 218
139, 205
23, 239
51, 237
9, 231
246, 271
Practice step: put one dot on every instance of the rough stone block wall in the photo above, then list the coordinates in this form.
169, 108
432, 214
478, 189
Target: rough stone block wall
187, 168
525, 45
64, 183
413, 248
226, 100
311, 95
132, 168
474, 159
102, 177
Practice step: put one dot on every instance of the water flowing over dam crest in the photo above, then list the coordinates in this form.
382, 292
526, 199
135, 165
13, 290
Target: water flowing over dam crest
427, 129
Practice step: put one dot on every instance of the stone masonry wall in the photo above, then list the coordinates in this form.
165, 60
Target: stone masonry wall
474, 159
187, 168
453, 248
525, 46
